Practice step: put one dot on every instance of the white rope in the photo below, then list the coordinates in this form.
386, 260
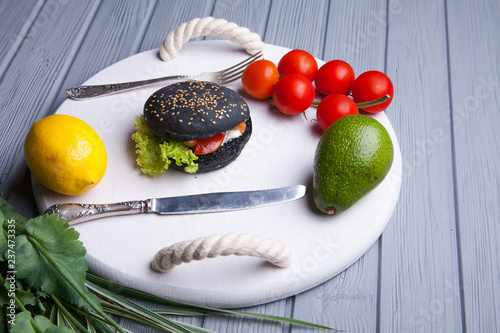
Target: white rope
223, 245
209, 26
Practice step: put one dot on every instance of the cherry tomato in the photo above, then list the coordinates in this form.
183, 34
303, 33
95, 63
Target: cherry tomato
332, 107
259, 78
334, 77
298, 62
209, 145
370, 86
293, 94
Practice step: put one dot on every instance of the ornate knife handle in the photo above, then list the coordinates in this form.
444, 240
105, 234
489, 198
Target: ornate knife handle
76, 213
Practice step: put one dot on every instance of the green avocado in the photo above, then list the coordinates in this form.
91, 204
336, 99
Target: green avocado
353, 156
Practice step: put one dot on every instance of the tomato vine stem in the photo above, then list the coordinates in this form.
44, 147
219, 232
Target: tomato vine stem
374, 102
364, 104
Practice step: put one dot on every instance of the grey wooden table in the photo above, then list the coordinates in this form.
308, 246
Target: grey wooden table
436, 266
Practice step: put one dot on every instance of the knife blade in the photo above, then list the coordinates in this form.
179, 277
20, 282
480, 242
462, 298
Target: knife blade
76, 213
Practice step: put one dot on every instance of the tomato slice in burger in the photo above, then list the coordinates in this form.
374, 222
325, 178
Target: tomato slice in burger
209, 145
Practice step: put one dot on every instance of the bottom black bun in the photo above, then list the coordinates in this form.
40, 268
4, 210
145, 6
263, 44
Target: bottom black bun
223, 156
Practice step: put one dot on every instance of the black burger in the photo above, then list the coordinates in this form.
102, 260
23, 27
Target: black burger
212, 120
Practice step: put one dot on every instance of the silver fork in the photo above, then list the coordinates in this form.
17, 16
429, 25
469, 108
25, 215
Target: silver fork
221, 77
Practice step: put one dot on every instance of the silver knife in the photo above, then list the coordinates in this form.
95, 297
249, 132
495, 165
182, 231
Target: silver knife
76, 213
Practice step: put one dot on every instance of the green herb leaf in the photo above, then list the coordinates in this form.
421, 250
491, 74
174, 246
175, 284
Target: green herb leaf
132, 310
50, 259
3, 237
24, 323
8, 221
3, 319
25, 297
94, 325
49, 248
8, 213
152, 299
68, 317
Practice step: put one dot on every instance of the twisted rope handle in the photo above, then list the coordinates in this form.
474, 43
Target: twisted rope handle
209, 26
223, 245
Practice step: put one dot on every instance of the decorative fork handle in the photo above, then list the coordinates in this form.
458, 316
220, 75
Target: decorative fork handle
86, 92
76, 213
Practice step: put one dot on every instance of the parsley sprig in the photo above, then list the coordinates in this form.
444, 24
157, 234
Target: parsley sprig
45, 286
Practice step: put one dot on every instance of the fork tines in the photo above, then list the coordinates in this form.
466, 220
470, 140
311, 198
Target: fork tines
233, 73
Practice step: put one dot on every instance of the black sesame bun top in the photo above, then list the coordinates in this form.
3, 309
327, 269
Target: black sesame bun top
192, 110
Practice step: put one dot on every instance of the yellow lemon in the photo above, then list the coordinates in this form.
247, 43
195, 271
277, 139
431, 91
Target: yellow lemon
65, 154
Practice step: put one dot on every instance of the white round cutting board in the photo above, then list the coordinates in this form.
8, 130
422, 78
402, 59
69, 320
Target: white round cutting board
279, 153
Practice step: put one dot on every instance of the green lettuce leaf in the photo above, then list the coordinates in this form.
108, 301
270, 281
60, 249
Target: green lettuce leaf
154, 154
181, 155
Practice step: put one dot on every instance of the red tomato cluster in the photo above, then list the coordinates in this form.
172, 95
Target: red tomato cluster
290, 85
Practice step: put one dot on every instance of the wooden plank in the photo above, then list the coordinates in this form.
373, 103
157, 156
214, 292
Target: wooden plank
31, 82
356, 33
116, 33
419, 285
15, 21
298, 25
252, 14
168, 15
347, 302
229, 324
474, 53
